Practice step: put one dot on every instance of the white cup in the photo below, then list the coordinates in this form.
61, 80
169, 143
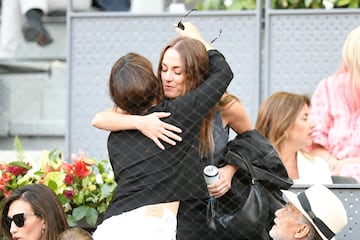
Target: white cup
211, 174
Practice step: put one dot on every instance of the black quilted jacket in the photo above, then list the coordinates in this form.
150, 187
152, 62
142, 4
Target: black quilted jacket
269, 171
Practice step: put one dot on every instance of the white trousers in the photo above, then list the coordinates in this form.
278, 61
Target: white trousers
137, 225
12, 17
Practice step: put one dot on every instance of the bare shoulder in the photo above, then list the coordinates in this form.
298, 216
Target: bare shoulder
235, 115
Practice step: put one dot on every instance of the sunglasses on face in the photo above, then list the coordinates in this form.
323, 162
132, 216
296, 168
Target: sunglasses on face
18, 219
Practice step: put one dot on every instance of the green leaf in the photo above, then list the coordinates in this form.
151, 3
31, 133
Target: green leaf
53, 155
80, 212
91, 216
242, 4
79, 198
308, 3
71, 220
19, 149
107, 190
27, 179
55, 180
354, 3
101, 167
52, 184
20, 164
342, 3
212, 5
63, 199
102, 207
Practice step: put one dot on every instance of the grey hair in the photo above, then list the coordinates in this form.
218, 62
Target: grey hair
313, 234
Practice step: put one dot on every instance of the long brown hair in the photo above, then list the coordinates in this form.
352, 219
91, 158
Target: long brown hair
45, 204
133, 85
277, 113
194, 58
195, 62
206, 139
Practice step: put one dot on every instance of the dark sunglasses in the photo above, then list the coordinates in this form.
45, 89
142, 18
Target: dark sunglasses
19, 220
182, 27
180, 24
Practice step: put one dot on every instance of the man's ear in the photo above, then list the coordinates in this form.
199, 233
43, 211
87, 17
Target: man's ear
302, 231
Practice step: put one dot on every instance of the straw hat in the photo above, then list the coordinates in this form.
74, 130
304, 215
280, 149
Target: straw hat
323, 205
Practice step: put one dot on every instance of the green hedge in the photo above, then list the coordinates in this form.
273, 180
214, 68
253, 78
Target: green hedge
276, 4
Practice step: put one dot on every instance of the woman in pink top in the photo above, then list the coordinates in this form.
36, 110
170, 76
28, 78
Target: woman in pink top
336, 111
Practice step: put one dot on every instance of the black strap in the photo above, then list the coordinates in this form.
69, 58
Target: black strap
248, 165
305, 204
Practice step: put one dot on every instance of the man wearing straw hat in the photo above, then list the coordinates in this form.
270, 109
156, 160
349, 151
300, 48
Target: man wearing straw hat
315, 214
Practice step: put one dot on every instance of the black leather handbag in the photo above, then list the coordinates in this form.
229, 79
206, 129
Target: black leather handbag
247, 219
247, 210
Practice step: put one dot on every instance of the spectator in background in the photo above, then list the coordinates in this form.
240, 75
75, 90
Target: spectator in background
23, 18
283, 118
315, 214
336, 111
112, 5
75, 233
33, 212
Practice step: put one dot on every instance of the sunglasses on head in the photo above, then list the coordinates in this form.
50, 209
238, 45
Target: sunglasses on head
18, 219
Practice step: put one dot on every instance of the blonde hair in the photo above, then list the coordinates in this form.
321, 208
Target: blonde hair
351, 65
75, 233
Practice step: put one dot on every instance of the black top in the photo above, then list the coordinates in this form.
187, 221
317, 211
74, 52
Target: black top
191, 218
146, 174
221, 138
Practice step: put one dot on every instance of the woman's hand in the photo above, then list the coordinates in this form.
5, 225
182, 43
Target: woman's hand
149, 125
191, 31
152, 127
223, 184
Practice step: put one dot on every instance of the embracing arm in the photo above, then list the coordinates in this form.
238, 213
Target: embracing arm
112, 120
150, 125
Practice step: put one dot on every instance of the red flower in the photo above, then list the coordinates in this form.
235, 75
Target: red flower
16, 170
5, 178
81, 170
67, 167
70, 194
69, 179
